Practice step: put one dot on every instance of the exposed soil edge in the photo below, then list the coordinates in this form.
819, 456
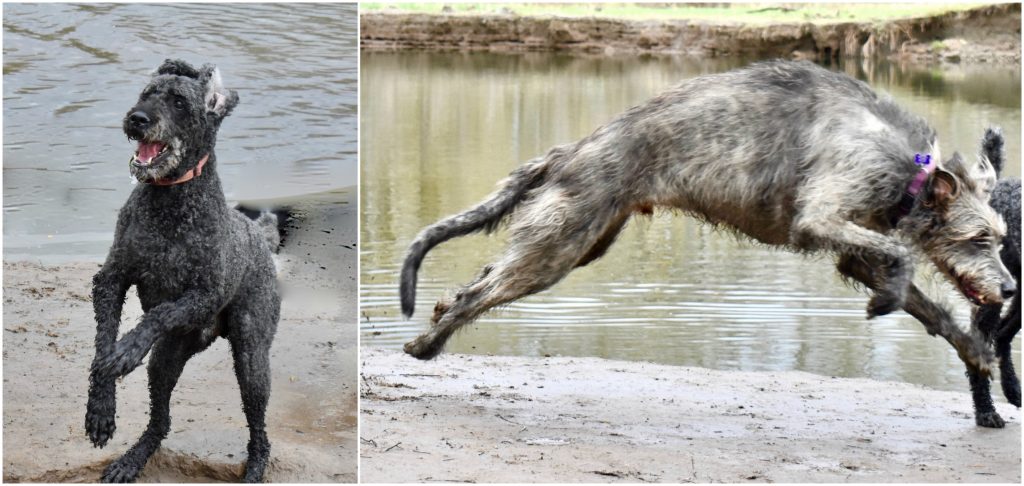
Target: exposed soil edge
165, 464
984, 34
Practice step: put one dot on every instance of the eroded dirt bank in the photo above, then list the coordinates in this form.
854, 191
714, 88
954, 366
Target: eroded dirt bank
508, 419
984, 34
48, 346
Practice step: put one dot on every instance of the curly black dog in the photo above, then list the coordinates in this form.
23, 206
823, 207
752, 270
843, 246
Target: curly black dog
989, 319
201, 269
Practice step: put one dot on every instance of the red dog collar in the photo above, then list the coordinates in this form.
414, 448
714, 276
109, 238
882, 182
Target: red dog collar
196, 172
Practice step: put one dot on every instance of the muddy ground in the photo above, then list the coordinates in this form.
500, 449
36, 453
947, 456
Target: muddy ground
48, 346
510, 419
983, 34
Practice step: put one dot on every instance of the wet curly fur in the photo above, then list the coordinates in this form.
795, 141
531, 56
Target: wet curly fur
201, 269
997, 326
787, 153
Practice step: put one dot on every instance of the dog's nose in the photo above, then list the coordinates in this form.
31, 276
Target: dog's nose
1008, 289
139, 119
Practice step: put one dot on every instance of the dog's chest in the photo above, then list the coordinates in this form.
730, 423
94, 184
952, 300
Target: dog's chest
169, 258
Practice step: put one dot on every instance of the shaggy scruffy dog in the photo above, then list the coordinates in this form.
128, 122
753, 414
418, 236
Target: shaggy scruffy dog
787, 153
201, 269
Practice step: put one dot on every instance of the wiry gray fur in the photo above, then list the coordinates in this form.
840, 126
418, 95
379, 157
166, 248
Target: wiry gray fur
201, 270
787, 153
997, 327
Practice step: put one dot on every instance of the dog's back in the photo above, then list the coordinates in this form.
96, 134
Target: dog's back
739, 147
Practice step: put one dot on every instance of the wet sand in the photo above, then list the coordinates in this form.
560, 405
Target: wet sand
48, 346
466, 418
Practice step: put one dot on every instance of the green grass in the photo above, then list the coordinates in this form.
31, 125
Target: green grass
750, 13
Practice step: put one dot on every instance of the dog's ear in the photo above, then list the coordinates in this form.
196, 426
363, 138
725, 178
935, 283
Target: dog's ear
219, 100
983, 177
177, 67
943, 190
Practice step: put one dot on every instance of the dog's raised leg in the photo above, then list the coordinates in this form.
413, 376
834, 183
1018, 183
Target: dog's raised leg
820, 229
195, 308
108, 293
165, 366
974, 352
250, 341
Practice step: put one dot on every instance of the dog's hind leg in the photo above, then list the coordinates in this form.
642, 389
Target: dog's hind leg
165, 365
251, 331
550, 237
1009, 328
973, 351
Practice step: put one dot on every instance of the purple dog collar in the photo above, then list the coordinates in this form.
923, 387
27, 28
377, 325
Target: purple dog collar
915, 187
919, 179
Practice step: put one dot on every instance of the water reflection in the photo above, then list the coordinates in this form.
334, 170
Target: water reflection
440, 129
71, 72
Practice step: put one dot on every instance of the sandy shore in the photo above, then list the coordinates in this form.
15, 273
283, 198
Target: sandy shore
507, 419
48, 346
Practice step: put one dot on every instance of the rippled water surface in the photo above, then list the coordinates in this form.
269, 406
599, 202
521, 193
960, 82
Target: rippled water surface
72, 71
440, 129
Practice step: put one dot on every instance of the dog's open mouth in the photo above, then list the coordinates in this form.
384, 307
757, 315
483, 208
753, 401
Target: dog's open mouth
150, 153
968, 290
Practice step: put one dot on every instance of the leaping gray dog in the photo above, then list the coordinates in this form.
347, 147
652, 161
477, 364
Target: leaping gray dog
201, 269
787, 153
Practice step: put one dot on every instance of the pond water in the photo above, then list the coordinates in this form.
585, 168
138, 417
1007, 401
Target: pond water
71, 72
438, 130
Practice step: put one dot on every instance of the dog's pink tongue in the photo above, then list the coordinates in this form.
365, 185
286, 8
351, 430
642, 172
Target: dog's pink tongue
149, 150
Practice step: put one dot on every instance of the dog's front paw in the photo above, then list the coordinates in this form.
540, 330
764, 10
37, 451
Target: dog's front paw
882, 304
991, 420
122, 360
256, 463
123, 470
99, 415
253, 475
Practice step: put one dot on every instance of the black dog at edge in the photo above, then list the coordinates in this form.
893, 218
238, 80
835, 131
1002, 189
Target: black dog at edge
201, 269
997, 327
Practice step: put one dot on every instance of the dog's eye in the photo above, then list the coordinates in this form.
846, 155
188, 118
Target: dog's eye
179, 103
981, 240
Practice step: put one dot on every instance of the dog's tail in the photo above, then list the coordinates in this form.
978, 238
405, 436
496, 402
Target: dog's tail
992, 148
269, 222
485, 216
268, 225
